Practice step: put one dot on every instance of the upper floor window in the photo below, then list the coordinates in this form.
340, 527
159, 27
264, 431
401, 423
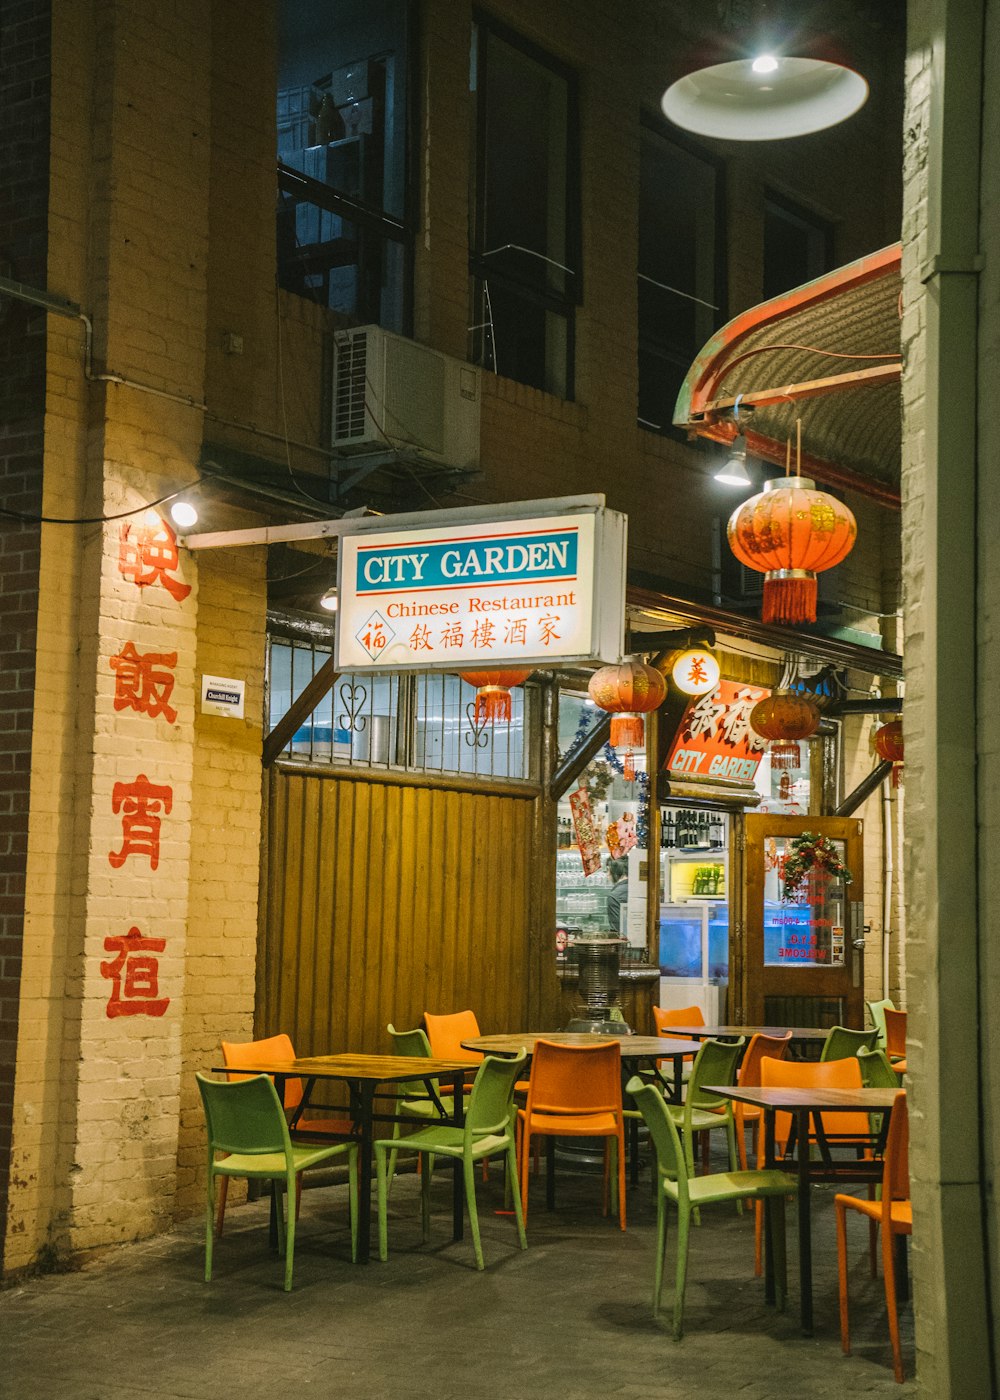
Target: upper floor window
681, 268
525, 235
343, 232
798, 246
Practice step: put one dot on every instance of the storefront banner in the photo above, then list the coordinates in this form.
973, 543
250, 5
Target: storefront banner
518, 592
714, 739
586, 833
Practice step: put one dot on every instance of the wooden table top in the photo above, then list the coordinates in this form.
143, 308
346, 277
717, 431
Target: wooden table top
791, 1099
383, 1069
721, 1032
632, 1046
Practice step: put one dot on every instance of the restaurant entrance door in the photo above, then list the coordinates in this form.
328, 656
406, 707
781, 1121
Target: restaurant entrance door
804, 921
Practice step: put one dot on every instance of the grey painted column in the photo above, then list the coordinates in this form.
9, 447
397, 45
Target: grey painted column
947, 641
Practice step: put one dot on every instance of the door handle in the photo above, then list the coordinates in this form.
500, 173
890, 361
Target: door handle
858, 943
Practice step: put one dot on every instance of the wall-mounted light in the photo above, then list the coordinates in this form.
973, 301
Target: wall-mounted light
733, 471
330, 600
183, 513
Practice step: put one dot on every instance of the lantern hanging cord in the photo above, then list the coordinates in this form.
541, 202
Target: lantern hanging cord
28, 519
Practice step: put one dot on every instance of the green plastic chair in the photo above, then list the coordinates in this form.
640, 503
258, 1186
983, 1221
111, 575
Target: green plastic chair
842, 1043
246, 1121
715, 1063
688, 1193
877, 1071
412, 1099
487, 1132
877, 1010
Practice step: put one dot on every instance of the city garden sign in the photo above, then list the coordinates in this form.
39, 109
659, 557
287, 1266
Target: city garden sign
520, 585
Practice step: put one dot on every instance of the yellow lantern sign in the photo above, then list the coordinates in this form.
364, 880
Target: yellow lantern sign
695, 672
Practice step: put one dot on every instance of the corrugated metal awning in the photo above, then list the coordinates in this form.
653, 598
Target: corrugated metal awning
827, 353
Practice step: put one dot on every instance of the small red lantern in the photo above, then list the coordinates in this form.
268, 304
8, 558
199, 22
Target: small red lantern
628, 691
789, 532
784, 718
889, 747
493, 692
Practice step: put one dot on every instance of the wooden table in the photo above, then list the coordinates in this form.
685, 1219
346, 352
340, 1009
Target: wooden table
364, 1074
803, 1034
802, 1104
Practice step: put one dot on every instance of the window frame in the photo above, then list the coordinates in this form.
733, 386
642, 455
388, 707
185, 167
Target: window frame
481, 270
804, 215
377, 222
655, 126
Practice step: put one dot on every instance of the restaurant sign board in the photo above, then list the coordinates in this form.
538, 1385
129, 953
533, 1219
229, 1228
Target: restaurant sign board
504, 589
714, 738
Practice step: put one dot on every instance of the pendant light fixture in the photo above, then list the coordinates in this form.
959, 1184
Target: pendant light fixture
760, 92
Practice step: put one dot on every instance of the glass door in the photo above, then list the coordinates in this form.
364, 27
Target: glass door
804, 921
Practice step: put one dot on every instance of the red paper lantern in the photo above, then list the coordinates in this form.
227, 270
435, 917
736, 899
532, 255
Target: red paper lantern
783, 719
889, 746
493, 692
789, 532
628, 692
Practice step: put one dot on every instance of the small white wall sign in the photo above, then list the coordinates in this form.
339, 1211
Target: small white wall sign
221, 696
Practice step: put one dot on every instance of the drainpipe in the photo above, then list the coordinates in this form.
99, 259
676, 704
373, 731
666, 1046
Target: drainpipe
887, 875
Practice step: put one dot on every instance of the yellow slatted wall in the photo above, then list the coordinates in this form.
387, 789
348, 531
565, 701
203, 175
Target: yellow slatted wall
383, 899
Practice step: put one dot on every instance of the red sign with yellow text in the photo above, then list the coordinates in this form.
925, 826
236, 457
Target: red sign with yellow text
714, 739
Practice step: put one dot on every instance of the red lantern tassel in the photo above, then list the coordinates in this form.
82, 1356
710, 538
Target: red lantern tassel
627, 731
628, 766
492, 703
784, 754
788, 600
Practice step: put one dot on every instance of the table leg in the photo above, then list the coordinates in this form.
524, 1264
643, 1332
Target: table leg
770, 1293
457, 1179
366, 1097
805, 1223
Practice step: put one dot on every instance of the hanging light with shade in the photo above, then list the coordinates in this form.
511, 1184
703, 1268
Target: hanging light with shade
758, 91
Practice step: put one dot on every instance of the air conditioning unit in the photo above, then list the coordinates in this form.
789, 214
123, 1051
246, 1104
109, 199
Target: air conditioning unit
391, 393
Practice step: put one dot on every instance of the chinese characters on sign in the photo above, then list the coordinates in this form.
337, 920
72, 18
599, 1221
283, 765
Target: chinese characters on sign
514, 592
144, 684
715, 740
134, 975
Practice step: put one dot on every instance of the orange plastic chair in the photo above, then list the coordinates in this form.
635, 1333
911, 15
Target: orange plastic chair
895, 1039
575, 1091
775, 1047
446, 1034
808, 1074
894, 1212
664, 1020
274, 1047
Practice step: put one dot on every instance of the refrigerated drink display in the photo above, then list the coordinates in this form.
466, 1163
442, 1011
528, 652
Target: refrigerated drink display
694, 912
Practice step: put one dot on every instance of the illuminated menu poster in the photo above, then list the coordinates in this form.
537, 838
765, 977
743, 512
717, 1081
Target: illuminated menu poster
714, 739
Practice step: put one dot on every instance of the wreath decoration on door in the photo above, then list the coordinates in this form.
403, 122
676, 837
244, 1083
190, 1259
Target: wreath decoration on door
811, 851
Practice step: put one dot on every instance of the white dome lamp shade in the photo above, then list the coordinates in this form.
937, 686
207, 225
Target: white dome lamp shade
765, 98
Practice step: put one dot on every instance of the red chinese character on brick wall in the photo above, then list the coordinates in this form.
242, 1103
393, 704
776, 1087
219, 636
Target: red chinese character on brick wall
147, 554
143, 683
140, 804
134, 975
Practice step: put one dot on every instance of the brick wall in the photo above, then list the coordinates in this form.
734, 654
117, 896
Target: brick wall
24, 90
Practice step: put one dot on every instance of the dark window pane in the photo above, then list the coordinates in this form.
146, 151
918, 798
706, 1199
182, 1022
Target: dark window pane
342, 80
525, 218
797, 248
680, 257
